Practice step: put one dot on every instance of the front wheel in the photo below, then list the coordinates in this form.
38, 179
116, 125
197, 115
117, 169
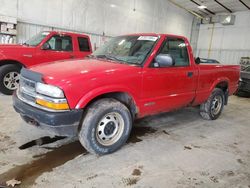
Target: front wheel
106, 126
213, 107
9, 79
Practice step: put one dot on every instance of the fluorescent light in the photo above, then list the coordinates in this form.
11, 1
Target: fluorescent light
202, 7
228, 19
112, 5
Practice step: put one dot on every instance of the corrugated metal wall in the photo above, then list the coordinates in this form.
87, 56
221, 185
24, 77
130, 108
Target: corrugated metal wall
228, 43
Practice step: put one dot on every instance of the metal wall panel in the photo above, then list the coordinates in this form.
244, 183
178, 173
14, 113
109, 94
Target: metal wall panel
228, 43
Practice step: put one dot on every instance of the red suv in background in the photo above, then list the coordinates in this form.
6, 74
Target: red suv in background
47, 46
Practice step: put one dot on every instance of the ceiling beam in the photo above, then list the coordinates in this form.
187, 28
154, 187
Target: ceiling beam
211, 12
190, 11
229, 10
244, 4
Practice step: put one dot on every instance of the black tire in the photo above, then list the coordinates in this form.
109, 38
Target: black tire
89, 134
206, 109
4, 70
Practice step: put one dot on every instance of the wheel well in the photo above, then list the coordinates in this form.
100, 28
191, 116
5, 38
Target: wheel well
13, 62
123, 97
223, 86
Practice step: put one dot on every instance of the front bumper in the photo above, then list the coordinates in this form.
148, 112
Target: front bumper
60, 123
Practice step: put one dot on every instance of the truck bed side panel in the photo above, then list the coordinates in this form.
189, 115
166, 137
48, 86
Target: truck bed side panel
211, 75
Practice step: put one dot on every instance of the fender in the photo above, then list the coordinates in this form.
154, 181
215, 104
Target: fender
217, 81
105, 90
10, 61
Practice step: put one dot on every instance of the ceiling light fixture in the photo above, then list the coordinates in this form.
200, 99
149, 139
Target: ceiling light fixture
202, 7
112, 5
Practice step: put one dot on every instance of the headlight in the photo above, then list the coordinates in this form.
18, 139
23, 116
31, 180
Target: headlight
240, 80
49, 90
51, 97
53, 105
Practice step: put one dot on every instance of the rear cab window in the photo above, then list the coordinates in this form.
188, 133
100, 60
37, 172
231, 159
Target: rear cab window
83, 44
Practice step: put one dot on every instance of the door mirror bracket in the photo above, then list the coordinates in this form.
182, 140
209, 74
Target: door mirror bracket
45, 46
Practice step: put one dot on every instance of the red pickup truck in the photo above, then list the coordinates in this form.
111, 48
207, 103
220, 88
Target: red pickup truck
47, 46
130, 77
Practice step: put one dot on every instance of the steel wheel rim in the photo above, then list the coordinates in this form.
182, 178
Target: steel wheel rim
216, 105
109, 129
11, 80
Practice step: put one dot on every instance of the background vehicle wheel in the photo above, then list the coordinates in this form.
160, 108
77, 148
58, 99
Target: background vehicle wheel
242, 94
213, 107
106, 126
9, 79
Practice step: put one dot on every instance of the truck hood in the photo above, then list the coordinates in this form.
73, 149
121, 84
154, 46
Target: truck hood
4, 47
62, 72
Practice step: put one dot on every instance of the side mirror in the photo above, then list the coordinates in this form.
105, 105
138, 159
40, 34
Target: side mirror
45, 46
163, 60
197, 60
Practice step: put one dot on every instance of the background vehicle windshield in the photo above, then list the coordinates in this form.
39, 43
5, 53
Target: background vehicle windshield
127, 49
34, 41
247, 69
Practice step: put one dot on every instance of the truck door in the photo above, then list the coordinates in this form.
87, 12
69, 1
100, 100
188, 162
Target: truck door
83, 47
58, 47
168, 88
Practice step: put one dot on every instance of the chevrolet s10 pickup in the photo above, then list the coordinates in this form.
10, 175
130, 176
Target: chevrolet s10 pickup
129, 77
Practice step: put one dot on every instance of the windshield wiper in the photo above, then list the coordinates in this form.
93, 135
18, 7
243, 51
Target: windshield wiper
111, 58
115, 59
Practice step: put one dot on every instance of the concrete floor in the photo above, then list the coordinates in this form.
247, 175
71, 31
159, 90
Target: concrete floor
177, 149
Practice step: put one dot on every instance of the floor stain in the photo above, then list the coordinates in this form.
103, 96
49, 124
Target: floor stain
240, 161
92, 177
136, 172
165, 132
187, 147
41, 141
130, 181
137, 132
196, 146
28, 173
214, 179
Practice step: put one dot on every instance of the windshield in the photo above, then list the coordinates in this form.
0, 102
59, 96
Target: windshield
34, 41
127, 49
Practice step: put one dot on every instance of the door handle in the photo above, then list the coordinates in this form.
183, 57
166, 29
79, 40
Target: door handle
190, 74
72, 56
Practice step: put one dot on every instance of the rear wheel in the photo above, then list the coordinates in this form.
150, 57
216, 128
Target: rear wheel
213, 107
9, 79
106, 126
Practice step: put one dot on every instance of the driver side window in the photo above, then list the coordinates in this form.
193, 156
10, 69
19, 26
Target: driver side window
177, 49
60, 43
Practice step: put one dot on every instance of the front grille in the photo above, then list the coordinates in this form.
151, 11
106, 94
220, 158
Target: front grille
27, 89
29, 84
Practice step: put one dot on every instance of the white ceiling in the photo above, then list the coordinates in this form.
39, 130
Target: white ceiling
212, 5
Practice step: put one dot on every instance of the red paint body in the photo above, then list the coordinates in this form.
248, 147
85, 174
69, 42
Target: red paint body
32, 55
166, 88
